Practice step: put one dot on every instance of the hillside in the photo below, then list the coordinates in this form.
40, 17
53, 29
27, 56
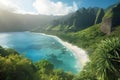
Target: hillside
93, 29
81, 19
87, 38
103, 46
103, 50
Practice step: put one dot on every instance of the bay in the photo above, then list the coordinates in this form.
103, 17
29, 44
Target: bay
37, 46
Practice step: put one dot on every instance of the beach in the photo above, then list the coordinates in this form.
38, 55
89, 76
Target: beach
80, 54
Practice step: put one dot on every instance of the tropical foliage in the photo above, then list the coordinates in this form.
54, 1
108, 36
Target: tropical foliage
16, 67
106, 60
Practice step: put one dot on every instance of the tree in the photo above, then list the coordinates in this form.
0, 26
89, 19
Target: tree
7, 51
106, 60
86, 73
59, 74
15, 67
46, 71
44, 66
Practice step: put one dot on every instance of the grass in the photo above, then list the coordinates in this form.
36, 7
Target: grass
87, 38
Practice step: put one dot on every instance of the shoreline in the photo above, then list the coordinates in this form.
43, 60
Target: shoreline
80, 54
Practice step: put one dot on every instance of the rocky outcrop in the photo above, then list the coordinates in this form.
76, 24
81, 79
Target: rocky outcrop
111, 19
106, 25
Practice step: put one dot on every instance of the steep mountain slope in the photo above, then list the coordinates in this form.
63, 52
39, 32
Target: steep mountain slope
89, 37
76, 21
99, 16
111, 19
79, 20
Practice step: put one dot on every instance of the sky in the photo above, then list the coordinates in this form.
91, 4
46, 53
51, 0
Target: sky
52, 7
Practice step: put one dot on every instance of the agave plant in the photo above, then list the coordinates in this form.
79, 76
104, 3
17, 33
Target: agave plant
106, 59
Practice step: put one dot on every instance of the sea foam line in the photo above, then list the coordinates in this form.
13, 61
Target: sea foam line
80, 54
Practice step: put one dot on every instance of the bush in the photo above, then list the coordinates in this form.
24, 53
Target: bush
106, 59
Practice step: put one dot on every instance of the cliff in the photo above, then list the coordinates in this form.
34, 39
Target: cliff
111, 19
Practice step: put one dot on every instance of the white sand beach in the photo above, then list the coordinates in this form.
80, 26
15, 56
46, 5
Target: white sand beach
80, 54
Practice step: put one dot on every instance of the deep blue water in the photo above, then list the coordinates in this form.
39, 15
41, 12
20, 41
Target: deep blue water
38, 46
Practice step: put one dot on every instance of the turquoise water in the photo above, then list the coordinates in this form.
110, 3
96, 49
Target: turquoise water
38, 46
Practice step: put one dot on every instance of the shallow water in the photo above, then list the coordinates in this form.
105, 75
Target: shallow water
38, 46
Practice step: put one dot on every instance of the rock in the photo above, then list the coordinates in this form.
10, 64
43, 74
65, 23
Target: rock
111, 19
106, 25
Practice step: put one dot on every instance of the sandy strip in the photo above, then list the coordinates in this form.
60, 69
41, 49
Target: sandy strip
80, 54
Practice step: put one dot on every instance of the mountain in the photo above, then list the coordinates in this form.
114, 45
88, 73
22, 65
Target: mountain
76, 21
73, 22
81, 19
104, 49
18, 22
108, 23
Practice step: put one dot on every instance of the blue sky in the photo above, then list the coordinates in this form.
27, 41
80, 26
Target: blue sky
91, 3
52, 7
97, 3
80, 3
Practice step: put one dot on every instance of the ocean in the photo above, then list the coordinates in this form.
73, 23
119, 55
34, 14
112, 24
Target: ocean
38, 46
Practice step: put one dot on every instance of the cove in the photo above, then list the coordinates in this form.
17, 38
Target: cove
38, 46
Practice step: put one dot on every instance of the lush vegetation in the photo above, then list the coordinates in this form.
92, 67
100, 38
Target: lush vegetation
93, 40
104, 63
16, 67
87, 38
81, 19
106, 59
105, 53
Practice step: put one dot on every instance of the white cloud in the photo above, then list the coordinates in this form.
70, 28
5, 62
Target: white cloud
48, 7
8, 5
12, 6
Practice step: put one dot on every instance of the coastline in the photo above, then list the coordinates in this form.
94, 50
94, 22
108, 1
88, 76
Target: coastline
80, 54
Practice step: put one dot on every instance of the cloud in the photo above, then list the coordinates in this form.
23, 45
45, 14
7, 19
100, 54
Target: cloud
8, 5
48, 7
12, 6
